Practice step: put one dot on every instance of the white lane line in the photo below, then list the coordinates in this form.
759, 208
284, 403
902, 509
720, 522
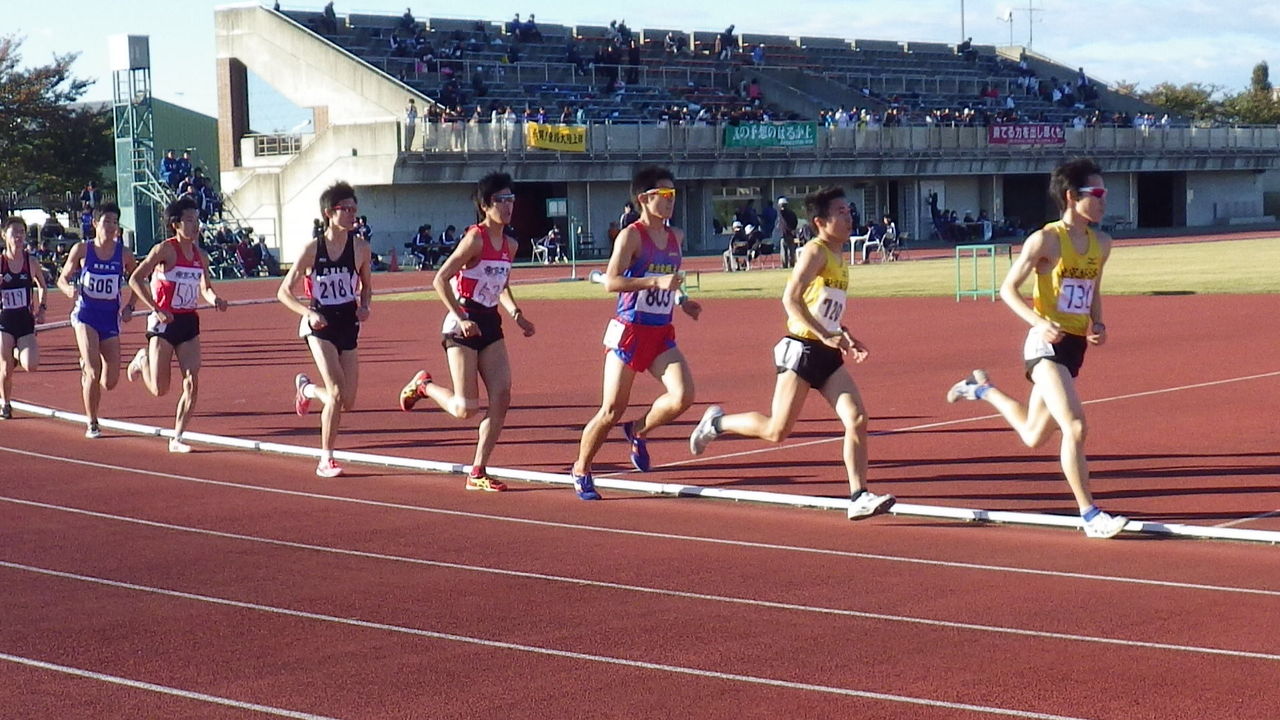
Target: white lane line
943, 423
584, 582
656, 535
538, 649
1242, 521
164, 689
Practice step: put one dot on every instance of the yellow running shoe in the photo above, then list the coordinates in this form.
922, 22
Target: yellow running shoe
485, 483
410, 393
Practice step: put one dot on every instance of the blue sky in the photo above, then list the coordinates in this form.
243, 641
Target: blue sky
1188, 41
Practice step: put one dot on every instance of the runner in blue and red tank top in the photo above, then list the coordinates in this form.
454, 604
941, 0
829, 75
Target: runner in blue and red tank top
645, 272
96, 284
336, 268
179, 274
472, 283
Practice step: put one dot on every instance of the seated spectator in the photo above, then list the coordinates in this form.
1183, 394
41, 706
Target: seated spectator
550, 247
419, 246
882, 236
169, 169
268, 260
513, 27
247, 256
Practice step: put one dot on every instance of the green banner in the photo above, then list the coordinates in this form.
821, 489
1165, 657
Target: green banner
779, 134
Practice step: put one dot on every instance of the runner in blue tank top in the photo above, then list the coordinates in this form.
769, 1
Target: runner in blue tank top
645, 272
96, 284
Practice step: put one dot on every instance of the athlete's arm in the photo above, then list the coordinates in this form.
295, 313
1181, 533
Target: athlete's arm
1034, 250
468, 251
624, 251
37, 277
70, 268
809, 263
298, 271
126, 293
364, 266
1098, 329
161, 254
206, 286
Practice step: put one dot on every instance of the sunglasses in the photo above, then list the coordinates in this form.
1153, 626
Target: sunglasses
504, 197
665, 193
1098, 192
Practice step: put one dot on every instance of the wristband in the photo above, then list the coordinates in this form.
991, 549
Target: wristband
1099, 327
515, 315
130, 307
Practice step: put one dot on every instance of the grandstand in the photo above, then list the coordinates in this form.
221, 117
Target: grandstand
675, 98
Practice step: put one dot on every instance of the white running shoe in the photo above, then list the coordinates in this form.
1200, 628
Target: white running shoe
1104, 525
301, 403
705, 432
967, 389
177, 446
328, 469
136, 364
92, 432
868, 504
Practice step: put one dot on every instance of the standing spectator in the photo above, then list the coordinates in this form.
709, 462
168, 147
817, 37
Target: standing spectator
768, 219
788, 224
407, 23
329, 22
629, 215
410, 124
86, 222
91, 196
184, 166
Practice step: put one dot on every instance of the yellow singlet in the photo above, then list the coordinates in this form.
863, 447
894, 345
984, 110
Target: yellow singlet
824, 296
1065, 295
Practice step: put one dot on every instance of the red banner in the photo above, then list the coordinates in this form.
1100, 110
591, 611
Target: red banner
1034, 134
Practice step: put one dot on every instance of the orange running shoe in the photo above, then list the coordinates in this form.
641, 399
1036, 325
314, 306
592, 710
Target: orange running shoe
414, 390
485, 483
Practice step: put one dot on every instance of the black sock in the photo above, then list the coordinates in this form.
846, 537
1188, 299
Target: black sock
715, 423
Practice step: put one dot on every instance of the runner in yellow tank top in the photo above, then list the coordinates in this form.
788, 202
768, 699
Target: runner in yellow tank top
1065, 318
812, 355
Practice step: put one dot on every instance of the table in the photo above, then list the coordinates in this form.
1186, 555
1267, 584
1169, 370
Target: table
974, 253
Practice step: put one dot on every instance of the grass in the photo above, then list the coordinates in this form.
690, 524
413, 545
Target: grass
1232, 266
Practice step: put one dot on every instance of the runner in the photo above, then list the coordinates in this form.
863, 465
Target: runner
179, 274
645, 272
92, 277
1067, 258
471, 283
812, 355
22, 295
331, 266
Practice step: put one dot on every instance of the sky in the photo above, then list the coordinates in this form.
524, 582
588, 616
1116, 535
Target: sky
1179, 41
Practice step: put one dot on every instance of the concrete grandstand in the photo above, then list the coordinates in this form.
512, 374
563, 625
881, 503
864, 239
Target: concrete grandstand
354, 73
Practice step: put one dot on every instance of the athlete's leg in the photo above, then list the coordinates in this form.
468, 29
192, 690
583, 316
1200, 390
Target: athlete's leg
842, 394
671, 369
1033, 423
155, 369
109, 353
1058, 389
618, 379
28, 353
188, 354
333, 391
464, 400
7, 346
495, 370
788, 399
90, 368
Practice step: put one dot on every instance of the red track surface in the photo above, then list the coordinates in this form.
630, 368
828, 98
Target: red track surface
757, 594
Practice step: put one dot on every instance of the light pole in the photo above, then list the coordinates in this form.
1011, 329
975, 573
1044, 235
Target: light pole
1007, 18
962, 35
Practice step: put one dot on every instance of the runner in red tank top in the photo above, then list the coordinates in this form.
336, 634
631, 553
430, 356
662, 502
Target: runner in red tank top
179, 274
472, 283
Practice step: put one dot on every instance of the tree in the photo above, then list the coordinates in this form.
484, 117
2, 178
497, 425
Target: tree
48, 146
1124, 87
1190, 100
1261, 80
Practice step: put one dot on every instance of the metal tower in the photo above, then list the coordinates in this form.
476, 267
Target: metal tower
141, 196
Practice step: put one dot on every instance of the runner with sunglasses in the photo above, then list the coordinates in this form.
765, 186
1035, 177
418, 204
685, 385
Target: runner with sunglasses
472, 283
1067, 258
645, 272
336, 268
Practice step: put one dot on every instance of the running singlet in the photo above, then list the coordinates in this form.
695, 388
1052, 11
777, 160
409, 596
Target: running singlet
482, 283
332, 282
178, 288
15, 286
650, 307
825, 296
1065, 295
100, 281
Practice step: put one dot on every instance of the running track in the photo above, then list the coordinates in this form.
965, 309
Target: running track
238, 585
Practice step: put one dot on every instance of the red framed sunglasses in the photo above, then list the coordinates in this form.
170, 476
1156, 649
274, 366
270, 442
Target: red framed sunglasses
1098, 192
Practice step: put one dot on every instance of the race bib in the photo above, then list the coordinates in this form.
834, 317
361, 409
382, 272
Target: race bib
184, 296
656, 302
13, 298
828, 308
613, 334
100, 287
488, 290
787, 354
334, 289
1076, 296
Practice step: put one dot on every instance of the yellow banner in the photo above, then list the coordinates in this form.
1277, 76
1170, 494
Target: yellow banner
565, 138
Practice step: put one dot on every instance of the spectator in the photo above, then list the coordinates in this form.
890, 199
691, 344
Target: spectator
91, 196
513, 27
747, 214
86, 222
757, 55
737, 248
613, 232
169, 169
629, 215
362, 228
265, 256
407, 23
788, 227
329, 21
410, 124
768, 220
184, 168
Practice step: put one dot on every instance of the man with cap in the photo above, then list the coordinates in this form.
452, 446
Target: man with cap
737, 248
788, 224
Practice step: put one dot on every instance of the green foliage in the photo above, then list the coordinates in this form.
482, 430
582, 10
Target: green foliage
1261, 80
1252, 108
48, 147
1190, 100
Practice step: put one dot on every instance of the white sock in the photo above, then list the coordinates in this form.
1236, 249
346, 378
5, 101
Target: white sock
309, 391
